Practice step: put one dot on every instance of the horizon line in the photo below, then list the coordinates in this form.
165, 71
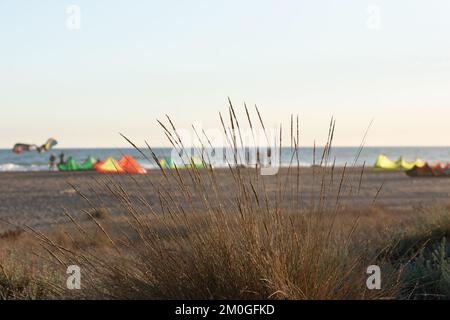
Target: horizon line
284, 147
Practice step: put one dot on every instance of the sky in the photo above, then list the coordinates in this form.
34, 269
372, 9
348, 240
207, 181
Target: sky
83, 71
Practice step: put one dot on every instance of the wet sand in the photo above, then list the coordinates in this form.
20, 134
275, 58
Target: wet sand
38, 199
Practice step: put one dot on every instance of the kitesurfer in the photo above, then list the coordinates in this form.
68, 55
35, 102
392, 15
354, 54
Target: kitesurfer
61, 158
52, 163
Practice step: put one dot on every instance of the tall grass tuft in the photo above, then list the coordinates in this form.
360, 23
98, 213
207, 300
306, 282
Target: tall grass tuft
226, 233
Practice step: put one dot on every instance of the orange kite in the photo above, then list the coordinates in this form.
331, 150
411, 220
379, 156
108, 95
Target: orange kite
131, 166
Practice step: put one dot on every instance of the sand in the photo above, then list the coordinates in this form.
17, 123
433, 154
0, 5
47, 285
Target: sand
38, 199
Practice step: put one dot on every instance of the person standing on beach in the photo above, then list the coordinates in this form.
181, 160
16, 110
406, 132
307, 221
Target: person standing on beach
61, 158
52, 164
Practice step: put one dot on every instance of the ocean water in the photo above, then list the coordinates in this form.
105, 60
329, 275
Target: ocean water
32, 161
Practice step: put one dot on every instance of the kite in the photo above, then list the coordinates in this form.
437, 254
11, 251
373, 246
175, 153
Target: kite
20, 148
50, 143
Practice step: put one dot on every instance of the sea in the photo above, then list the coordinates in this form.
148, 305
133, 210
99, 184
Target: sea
308, 156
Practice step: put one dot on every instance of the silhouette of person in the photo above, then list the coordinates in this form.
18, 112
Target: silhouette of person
61, 158
51, 163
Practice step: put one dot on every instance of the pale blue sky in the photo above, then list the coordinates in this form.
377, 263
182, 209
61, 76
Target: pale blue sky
133, 61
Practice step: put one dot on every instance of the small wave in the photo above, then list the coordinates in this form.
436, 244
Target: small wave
11, 167
148, 166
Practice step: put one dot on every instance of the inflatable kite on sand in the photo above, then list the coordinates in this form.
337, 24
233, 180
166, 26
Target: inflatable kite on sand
126, 165
20, 148
384, 163
131, 166
170, 164
437, 171
72, 165
416, 169
109, 165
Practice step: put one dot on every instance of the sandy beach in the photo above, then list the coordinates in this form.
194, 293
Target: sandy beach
38, 199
